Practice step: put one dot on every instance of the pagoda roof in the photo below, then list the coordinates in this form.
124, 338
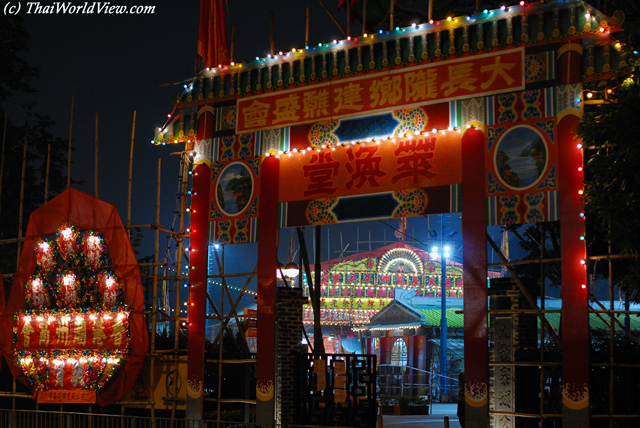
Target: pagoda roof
398, 314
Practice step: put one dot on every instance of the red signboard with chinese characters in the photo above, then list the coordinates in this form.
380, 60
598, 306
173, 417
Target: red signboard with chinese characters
416, 161
63, 396
409, 86
106, 330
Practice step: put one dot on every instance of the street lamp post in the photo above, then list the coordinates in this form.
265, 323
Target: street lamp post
443, 311
443, 323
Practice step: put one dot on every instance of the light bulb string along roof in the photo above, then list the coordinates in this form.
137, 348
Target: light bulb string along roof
439, 25
590, 14
370, 141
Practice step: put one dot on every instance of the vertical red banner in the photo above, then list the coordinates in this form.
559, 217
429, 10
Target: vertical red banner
267, 262
212, 37
474, 231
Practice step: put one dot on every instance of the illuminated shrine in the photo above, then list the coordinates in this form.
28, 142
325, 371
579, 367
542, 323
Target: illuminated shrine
76, 305
356, 287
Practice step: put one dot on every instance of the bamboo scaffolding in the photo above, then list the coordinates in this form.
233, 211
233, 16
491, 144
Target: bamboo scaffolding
364, 17
11, 240
21, 209
524, 291
348, 18
4, 140
46, 175
73, 98
95, 166
233, 37
272, 43
306, 30
133, 132
220, 333
326, 9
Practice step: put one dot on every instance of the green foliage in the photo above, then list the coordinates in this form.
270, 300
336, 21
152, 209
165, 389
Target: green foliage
625, 379
612, 193
402, 401
16, 74
609, 131
38, 139
16, 79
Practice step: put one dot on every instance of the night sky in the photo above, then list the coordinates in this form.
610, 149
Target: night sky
119, 63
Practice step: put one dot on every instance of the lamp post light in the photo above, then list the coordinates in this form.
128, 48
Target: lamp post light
291, 270
287, 272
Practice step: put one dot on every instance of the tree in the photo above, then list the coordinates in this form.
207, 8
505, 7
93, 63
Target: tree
16, 74
17, 83
609, 132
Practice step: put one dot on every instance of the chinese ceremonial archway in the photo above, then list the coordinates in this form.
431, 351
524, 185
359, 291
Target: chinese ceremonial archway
76, 304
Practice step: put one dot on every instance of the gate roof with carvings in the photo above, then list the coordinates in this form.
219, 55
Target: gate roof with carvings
530, 26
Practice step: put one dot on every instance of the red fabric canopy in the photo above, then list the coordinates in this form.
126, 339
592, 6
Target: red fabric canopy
86, 213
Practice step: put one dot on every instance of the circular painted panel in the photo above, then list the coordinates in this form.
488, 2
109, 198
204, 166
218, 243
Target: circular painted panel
521, 157
234, 188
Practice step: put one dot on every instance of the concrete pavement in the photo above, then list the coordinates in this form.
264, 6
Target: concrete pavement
434, 420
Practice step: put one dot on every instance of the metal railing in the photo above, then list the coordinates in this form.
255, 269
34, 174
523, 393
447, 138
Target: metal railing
41, 419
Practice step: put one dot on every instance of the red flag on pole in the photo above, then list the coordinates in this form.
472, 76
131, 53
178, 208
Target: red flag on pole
212, 37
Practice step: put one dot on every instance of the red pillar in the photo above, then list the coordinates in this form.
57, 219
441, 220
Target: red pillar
420, 363
410, 342
386, 343
575, 311
474, 256
267, 261
197, 302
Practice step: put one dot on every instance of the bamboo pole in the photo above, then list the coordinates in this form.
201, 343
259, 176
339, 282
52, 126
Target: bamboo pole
73, 98
221, 332
233, 37
46, 174
306, 30
24, 170
133, 132
326, 9
391, 26
154, 304
4, 140
272, 43
348, 18
364, 17
180, 243
95, 167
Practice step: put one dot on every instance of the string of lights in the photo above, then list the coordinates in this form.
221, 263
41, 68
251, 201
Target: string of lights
592, 25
